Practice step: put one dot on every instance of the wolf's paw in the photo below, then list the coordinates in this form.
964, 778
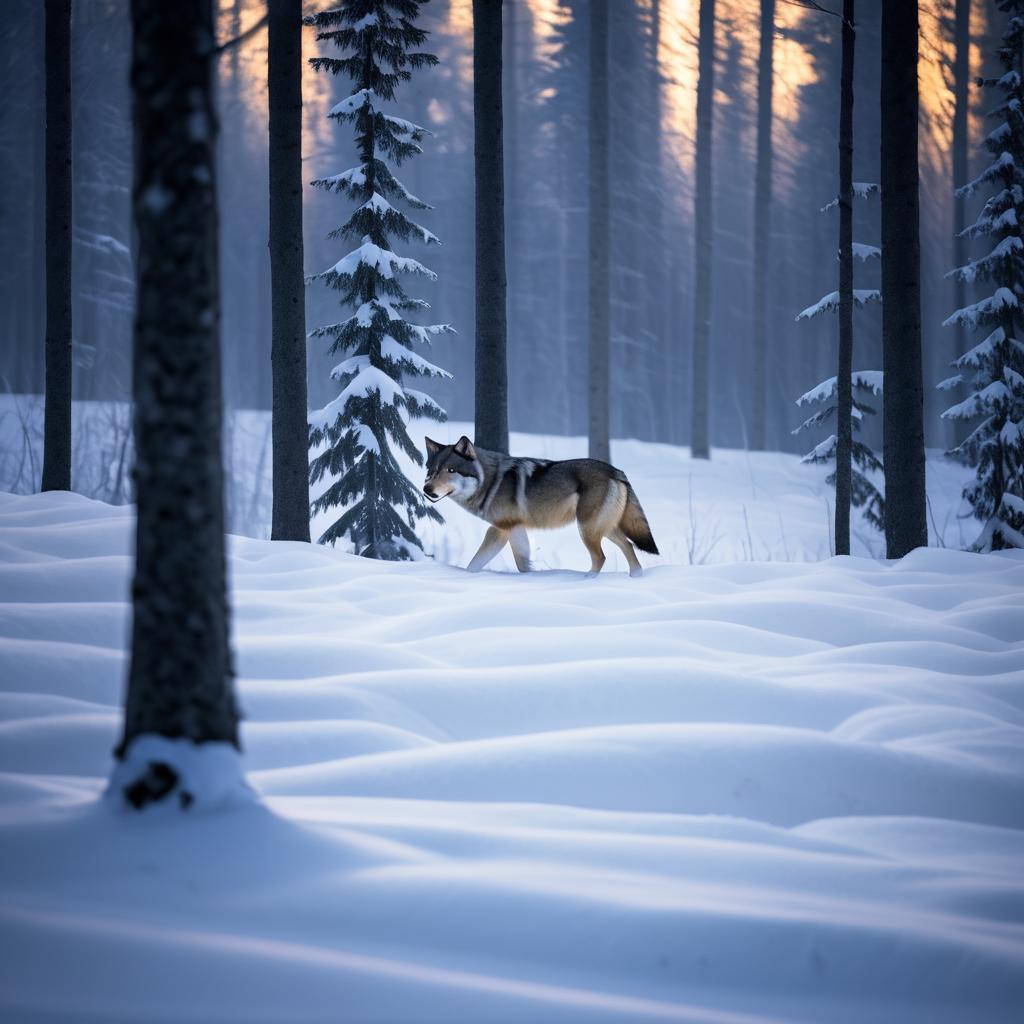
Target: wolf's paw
637, 572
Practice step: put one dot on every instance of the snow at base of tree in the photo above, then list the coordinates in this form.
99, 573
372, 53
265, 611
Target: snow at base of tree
202, 777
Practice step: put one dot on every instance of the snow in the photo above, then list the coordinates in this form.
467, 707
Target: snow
868, 380
367, 379
861, 190
830, 303
745, 792
384, 261
864, 252
985, 309
350, 104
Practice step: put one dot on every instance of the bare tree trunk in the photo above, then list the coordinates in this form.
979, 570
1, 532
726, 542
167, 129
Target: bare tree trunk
289, 421
599, 282
491, 408
57, 422
903, 395
844, 383
179, 683
700, 411
762, 224
961, 131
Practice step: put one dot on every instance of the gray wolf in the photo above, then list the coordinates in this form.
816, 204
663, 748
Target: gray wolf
516, 494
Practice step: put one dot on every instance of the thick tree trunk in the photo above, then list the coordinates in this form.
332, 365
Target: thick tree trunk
599, 282
961, 131
700, 411
491, 408
290, 516
762, 225
903, 396
844, 383
179, 683
57, 422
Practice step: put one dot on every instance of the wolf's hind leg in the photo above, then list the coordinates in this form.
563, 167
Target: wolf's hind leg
494, 541
520, 547
621, 541
592, 542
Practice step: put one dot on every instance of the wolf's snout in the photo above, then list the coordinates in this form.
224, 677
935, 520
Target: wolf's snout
428, 491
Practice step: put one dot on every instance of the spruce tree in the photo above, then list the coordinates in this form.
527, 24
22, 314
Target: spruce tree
995, 368
357, 429
854, 460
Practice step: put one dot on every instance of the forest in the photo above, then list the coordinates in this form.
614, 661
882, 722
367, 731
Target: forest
512, 510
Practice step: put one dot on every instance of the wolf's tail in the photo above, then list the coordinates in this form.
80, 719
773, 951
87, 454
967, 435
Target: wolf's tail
634, 523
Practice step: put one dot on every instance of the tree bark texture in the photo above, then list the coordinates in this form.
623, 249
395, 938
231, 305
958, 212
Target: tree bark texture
961, 112
491, 408
844, 383
599, 281
700, 410
56, 474
289, 423
762, 225
180, 679
903, 396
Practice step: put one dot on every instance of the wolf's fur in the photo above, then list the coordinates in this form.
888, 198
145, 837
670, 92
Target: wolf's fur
513, 495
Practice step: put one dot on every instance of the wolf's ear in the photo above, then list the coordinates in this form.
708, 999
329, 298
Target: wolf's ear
464, 447
432, 446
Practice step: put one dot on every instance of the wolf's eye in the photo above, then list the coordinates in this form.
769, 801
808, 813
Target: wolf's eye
451, 470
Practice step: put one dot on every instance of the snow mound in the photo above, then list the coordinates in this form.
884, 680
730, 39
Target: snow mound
739, 792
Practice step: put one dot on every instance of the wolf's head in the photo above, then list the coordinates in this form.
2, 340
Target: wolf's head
453, 470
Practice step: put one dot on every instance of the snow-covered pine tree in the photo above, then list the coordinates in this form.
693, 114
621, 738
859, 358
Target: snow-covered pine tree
357, 429
863, 492
995, 368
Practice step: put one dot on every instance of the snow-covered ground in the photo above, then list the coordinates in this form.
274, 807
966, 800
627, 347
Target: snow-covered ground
747, 791
740, 506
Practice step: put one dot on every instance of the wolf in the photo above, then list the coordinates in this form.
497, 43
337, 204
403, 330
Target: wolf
516, 494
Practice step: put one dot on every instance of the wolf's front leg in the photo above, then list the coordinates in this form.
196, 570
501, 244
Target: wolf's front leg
520, 548
494, 541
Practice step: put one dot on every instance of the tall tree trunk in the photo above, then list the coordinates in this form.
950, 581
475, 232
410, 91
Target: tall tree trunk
179, 682
598, 279
289, 423
57, 421
844, 383
961, 131
491, 408
762, 224
700, 411
903, 396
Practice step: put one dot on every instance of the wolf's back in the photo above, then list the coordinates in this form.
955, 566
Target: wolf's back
634, 522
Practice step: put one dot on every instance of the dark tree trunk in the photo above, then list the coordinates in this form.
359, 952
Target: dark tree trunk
290, 517
844, 383
180, 680
700, 411
903, 395
57, 422
491, 408
961, 89
599, 284
762, 224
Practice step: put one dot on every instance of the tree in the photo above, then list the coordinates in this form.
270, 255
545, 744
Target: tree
491, 408
598, 278
290, 516
700, 412
57, 424
355, 429
762, 221
844, 393
961, 132
995, 368
906, 525
179, 682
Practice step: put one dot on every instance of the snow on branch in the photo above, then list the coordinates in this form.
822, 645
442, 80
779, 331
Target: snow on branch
866, 380
985, 311
1003, 166
861, 190
864, 252
830, 303
984, 266
350, 104
383, 261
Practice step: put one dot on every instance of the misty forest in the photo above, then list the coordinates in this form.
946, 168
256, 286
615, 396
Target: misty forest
512, 510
